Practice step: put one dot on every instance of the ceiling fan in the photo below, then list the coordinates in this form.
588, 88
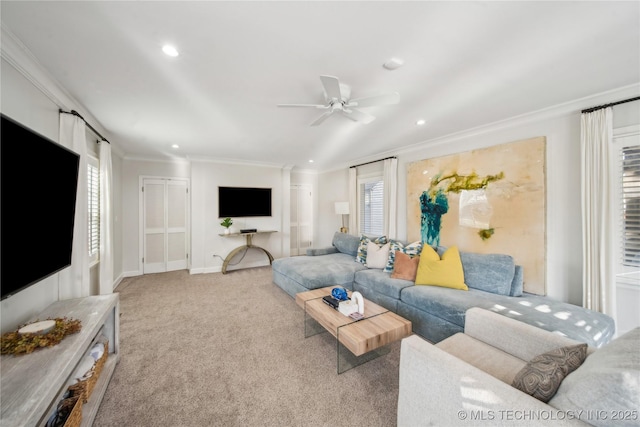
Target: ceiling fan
337, 100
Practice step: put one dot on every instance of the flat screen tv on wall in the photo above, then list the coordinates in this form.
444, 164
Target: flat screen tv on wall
238, 202
38, 184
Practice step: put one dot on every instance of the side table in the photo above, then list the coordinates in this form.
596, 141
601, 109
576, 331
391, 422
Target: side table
249, 244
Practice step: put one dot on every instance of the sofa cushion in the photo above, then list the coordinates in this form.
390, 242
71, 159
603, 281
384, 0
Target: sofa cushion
322, 251
346, 243
489, 359
412, 249
446, 271
517, 284
447, 304
559, 317
377, 255
542, 375
381, 282
608, 381
487, 272
314, 272
405, 267
361, 255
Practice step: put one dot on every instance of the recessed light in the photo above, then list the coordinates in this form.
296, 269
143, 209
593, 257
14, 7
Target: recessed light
175, 146
393, 64
310, 161
170, 50
421, 122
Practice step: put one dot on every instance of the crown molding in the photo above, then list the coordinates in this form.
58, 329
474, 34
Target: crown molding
20, 57
555, 111
235, 162
24, 61
559, 110
135, 158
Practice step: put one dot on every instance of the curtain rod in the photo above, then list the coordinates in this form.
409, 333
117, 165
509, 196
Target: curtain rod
75, 113
600, 107
373, 161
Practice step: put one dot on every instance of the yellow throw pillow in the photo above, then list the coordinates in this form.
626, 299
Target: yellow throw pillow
446, 272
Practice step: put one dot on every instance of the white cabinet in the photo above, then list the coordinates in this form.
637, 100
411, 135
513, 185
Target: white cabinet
31, 385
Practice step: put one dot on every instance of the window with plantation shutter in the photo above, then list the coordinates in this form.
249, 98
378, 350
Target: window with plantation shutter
371, 206
630, 205
93, 220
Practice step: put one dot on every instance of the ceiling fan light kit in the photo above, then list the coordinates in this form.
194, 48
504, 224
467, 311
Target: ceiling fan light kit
337, 100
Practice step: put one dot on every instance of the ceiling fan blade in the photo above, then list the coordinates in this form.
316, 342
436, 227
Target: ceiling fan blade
358, 116
331, 87
370, 101
304, 105
322, 118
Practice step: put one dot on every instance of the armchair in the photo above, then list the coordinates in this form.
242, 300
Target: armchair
465, 380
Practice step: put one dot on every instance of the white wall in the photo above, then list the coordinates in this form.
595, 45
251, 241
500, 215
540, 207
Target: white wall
208, 247
27, 100
332, 187
21, 101
561, 127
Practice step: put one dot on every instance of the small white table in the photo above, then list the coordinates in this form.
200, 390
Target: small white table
249, 244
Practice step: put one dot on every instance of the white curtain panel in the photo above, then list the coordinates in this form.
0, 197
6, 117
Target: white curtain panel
74, 280
353, 201
598, 212
106, 213
390, 197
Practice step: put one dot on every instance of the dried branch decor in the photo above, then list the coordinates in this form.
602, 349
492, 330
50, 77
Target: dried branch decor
17, 343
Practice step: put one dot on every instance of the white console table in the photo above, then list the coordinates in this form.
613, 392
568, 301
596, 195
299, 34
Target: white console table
31, 385
249, 244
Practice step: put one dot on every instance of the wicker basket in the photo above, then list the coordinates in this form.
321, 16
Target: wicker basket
69, 410
85, 388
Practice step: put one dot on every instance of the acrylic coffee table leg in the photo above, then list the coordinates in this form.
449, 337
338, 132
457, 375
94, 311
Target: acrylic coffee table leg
347, 360
311, 326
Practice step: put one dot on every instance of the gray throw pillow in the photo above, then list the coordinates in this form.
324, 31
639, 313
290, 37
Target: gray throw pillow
346, 243
607, 384
543, 374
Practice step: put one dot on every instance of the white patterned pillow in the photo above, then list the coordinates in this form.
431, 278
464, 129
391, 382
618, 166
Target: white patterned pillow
377, 255
413, 249
361, 257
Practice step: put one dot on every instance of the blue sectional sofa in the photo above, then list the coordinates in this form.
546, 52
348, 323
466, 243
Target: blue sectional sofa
495, 283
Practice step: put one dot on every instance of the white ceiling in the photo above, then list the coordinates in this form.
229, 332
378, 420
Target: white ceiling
466, 64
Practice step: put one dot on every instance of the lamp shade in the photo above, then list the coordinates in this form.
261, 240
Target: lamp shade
342, 208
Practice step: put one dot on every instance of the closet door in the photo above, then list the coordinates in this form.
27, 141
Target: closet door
301, 219
165, 224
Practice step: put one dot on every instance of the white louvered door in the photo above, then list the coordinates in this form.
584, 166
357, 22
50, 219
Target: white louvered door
165, 224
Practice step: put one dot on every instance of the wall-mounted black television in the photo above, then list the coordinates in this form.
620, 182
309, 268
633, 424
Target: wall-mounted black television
38, 185
238, 202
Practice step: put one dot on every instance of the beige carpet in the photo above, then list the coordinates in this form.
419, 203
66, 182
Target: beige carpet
229, 350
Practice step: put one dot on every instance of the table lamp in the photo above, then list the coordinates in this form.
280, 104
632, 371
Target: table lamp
342, 208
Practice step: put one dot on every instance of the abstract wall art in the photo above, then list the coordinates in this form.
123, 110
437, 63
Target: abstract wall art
490, 200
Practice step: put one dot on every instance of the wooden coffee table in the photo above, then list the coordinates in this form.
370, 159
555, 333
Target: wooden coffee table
357, 341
